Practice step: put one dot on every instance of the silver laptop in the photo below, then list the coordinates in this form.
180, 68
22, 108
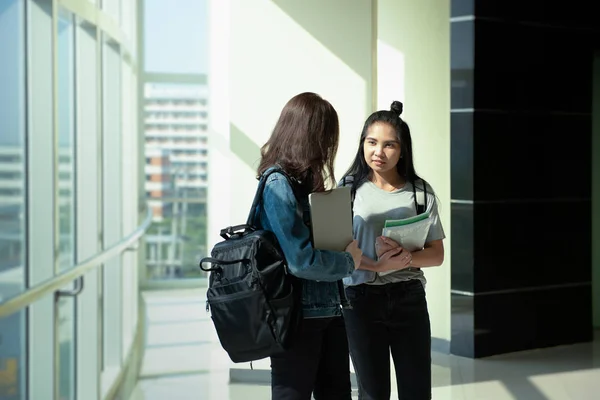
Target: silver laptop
331, 218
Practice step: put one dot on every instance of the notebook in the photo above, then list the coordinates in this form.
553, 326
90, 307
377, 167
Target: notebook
411, 233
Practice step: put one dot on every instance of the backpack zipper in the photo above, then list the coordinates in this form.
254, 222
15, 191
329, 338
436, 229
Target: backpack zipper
234, 296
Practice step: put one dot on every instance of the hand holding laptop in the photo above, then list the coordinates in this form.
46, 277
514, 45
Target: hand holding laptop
356, 253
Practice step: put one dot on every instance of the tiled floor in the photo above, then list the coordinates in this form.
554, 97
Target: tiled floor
183, 360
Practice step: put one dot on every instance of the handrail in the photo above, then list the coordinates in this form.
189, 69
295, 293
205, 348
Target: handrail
52, 285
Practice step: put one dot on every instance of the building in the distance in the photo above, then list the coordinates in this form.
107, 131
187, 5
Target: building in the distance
176, 123
158, 181
176, 151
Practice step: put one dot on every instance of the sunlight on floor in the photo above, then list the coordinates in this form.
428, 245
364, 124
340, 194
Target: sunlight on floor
184, 360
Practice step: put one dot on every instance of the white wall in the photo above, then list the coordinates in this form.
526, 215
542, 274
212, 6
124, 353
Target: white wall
413, 66
219, 170
284, 47
262, 53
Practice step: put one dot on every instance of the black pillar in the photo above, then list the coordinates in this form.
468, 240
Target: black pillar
521, 174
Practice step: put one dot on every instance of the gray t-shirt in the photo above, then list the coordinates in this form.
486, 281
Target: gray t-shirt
372, 207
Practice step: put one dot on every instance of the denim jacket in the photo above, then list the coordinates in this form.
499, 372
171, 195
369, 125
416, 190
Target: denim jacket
319, 269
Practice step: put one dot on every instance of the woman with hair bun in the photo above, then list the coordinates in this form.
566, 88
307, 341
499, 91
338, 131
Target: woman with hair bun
389, 310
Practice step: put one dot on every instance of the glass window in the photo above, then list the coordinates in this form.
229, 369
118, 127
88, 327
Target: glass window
88, 209
175, 38
12, 146
12, 197
175, 43
66, 199
66, 145
112, 174
177, 239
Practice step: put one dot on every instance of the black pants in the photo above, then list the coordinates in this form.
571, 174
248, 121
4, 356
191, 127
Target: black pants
318, 363
392, 316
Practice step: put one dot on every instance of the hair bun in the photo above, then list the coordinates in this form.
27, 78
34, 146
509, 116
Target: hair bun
396, 108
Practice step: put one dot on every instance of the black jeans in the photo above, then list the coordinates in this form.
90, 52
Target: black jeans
317, 363
392, 316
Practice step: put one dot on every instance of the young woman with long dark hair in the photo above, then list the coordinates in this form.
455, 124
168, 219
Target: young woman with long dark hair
389, 311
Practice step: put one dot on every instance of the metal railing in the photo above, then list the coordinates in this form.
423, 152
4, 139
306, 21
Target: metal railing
53, 285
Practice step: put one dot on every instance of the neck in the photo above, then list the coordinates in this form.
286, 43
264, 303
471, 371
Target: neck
389, 180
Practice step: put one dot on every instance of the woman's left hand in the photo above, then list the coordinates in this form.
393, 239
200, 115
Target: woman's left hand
403, 260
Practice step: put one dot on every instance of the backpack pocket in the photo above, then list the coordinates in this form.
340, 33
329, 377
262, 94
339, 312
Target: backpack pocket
287, 313
239, 319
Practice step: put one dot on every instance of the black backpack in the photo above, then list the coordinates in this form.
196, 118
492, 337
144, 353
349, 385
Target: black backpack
255, 303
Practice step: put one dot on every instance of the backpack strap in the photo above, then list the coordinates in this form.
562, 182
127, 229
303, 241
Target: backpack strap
349, 179
420, 198
261, 188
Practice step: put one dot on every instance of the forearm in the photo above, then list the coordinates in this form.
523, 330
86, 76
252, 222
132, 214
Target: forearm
428, 257
368, 264
319, 265
380, 265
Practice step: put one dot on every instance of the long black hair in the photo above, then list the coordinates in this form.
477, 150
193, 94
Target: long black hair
360, 170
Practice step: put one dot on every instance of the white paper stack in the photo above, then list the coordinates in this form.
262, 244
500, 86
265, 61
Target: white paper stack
409, 233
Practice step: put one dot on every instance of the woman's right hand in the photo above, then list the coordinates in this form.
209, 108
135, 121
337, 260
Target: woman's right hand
384, 244
355, 252
385, 263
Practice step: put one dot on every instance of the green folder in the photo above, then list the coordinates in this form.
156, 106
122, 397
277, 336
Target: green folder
406, 221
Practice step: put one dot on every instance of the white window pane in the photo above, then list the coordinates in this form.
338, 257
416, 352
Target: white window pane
66, 142
66, 199
12, 149
41, 194
88, 211
66, 348
112, 172
129, 202
12, 197
13, 329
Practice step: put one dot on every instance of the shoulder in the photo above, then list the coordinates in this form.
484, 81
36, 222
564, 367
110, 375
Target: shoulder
423, 188
278, 187
274, 174
275, 178
421, 185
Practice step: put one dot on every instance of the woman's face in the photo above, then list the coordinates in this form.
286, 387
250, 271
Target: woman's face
381, 148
